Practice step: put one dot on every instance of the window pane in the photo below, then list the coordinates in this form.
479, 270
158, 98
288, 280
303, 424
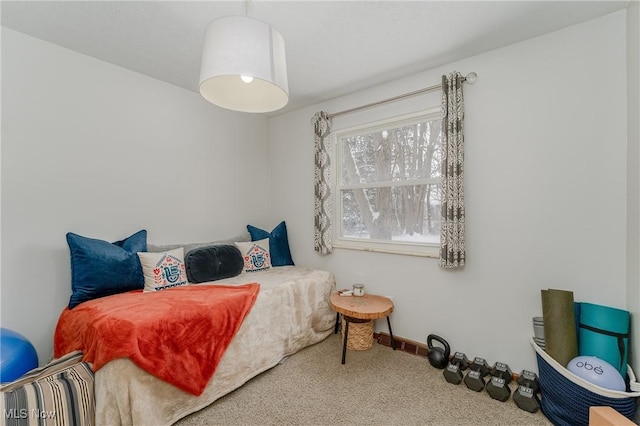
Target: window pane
408, 213
396, 153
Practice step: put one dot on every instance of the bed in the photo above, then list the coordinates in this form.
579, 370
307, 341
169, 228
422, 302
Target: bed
291, 311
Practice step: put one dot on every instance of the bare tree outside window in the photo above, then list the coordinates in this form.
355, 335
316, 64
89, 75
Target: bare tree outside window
389, 182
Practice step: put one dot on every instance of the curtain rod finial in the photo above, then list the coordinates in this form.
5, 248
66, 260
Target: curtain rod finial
471, 77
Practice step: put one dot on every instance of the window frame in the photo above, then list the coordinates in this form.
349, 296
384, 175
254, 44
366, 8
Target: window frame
382, 246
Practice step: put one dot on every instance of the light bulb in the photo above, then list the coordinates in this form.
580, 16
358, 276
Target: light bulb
246, 78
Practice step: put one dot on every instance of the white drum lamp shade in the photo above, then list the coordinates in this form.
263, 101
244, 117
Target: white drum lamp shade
244, 65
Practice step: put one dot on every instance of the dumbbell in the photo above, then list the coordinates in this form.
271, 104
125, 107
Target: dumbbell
498, 387
457, 364
475, 377
526, 396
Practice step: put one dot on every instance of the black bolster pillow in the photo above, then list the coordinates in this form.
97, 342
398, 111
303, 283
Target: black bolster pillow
213, 263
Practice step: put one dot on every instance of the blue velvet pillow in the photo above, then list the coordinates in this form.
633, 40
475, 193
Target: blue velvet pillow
278, 243
100, 268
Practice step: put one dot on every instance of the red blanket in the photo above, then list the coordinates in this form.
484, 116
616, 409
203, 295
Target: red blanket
178, 335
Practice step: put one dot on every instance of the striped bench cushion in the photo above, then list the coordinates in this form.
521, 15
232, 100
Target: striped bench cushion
60, 393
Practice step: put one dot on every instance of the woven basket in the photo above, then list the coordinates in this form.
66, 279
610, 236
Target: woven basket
566, 398
360, 334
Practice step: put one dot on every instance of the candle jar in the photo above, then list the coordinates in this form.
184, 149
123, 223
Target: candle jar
358, 289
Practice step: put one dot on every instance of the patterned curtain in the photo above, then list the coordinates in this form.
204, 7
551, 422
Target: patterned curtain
323, 208
452, 250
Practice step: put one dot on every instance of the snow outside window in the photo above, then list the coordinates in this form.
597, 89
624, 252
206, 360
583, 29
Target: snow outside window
388, 192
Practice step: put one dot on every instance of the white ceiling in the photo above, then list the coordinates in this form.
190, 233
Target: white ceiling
333, 47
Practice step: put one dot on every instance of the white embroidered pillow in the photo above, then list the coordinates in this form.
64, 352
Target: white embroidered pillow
255, 255
163, 270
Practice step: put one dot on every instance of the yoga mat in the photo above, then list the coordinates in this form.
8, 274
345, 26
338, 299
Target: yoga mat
561, 337
603, 332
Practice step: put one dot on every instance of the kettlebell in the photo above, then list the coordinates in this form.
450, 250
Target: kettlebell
438, 357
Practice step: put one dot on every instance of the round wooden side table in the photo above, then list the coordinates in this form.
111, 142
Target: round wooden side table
367, 307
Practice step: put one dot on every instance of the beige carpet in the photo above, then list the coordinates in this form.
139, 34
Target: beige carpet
375, 387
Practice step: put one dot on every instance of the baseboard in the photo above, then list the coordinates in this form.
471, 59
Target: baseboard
405, 345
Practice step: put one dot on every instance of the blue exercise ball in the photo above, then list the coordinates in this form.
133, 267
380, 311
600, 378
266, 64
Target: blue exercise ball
597, 371
17, 355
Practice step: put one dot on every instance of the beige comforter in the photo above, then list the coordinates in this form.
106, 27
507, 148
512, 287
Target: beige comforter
291, 312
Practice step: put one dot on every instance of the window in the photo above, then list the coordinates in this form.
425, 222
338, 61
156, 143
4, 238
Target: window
388, 185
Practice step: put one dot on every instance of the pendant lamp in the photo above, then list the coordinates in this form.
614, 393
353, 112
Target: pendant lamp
243, 65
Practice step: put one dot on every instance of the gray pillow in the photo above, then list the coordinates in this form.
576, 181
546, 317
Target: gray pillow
155, 248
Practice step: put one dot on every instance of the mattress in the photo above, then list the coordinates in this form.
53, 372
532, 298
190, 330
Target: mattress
291, 312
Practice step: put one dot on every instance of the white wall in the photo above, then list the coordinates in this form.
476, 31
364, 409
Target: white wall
545, 187
95, 149
633, 174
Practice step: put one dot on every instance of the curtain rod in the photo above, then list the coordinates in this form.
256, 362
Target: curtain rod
470, 78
